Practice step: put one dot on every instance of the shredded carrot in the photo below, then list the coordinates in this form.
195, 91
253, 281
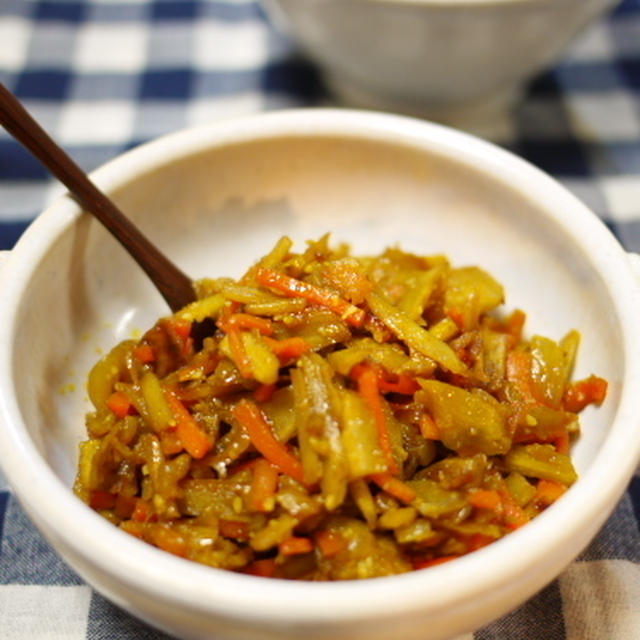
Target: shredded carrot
484, 499
133, 528
288, 348
394, 487
401, 383
515, 324
119, 404
263, 568
144, 353
457, 317
577, 396
519, 374
358, 369
425, 564
170, 442
387, 382
263, 486
264, 392
238, 352
181, 328
548, 491
562, 442
249, 415
143, 512
242, 466
234, 529
247, 321
479, 540
295, 288
124, 506
514, 516
294, 546
193, 438
101, 500
169, 540
368, 389
330, 543
428, 427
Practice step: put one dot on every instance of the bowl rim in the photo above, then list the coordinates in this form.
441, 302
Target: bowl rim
459, 4
206, 590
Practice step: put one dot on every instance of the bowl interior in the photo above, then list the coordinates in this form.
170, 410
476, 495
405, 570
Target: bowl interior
216, 211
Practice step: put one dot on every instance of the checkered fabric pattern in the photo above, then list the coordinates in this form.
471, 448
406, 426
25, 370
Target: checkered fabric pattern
106, 75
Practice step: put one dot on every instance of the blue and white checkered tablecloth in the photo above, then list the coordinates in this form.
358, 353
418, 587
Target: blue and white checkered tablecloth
105, 75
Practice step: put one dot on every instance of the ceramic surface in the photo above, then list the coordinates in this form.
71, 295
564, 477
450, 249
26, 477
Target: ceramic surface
458, 61
216, 198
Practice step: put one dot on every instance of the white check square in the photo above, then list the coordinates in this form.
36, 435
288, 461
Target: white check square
15, 36
111, 48
592, 45
44, 612
607, 117
623, 197
91, 123
600, 600
229, 47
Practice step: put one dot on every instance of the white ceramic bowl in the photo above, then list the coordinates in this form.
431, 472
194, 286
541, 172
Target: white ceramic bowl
214, 198
457, 61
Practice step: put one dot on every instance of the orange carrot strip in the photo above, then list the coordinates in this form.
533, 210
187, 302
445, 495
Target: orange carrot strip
180, 332
428, 427
514, 516
247, 321
242, 466
144, 353
264, 392
234, 529
559, 437
239, 353
515, 324
479, 540
329, 543
484, 499
124, 506
548, 491
562, 442
143, 511
262, 568
181, 327
133, 528
170, 442
249, 415
358, 369
394, 487
403, 384
425, 564
519, 374
263, 486
101, 500
295, 288
169, 540
387, 382
119, 403
368, 389
193, 438
457, 317
592, 390
295, 546
288, 348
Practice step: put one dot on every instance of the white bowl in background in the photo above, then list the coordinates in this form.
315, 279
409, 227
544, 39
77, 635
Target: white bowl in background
457, 61
214, 199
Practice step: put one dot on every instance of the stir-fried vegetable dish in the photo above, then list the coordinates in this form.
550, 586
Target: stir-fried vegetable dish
331, 417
